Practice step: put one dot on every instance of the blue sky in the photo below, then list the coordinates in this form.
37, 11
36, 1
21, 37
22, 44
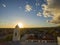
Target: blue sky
29, 12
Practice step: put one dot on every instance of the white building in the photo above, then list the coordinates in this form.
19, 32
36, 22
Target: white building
58, 39
16, 34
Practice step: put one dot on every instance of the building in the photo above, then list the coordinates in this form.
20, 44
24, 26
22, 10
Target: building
32, 36
16, 34
58, 40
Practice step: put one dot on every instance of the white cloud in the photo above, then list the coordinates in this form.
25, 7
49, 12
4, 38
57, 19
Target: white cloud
46, 11
39, 14
3, 5
47, 20
28, 8
52, 10
37, 4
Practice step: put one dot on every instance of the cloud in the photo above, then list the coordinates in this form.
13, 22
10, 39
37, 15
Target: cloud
39, 14
56, 19
3, 5
46, 11
37, 4
52, 9
28, 8
47, 20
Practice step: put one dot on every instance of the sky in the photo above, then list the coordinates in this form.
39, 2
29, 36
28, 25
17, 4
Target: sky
31, 13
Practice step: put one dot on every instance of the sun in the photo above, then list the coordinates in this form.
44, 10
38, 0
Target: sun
20, 25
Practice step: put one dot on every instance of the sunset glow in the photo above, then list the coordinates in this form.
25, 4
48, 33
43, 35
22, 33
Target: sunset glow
34, 13
20, 25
